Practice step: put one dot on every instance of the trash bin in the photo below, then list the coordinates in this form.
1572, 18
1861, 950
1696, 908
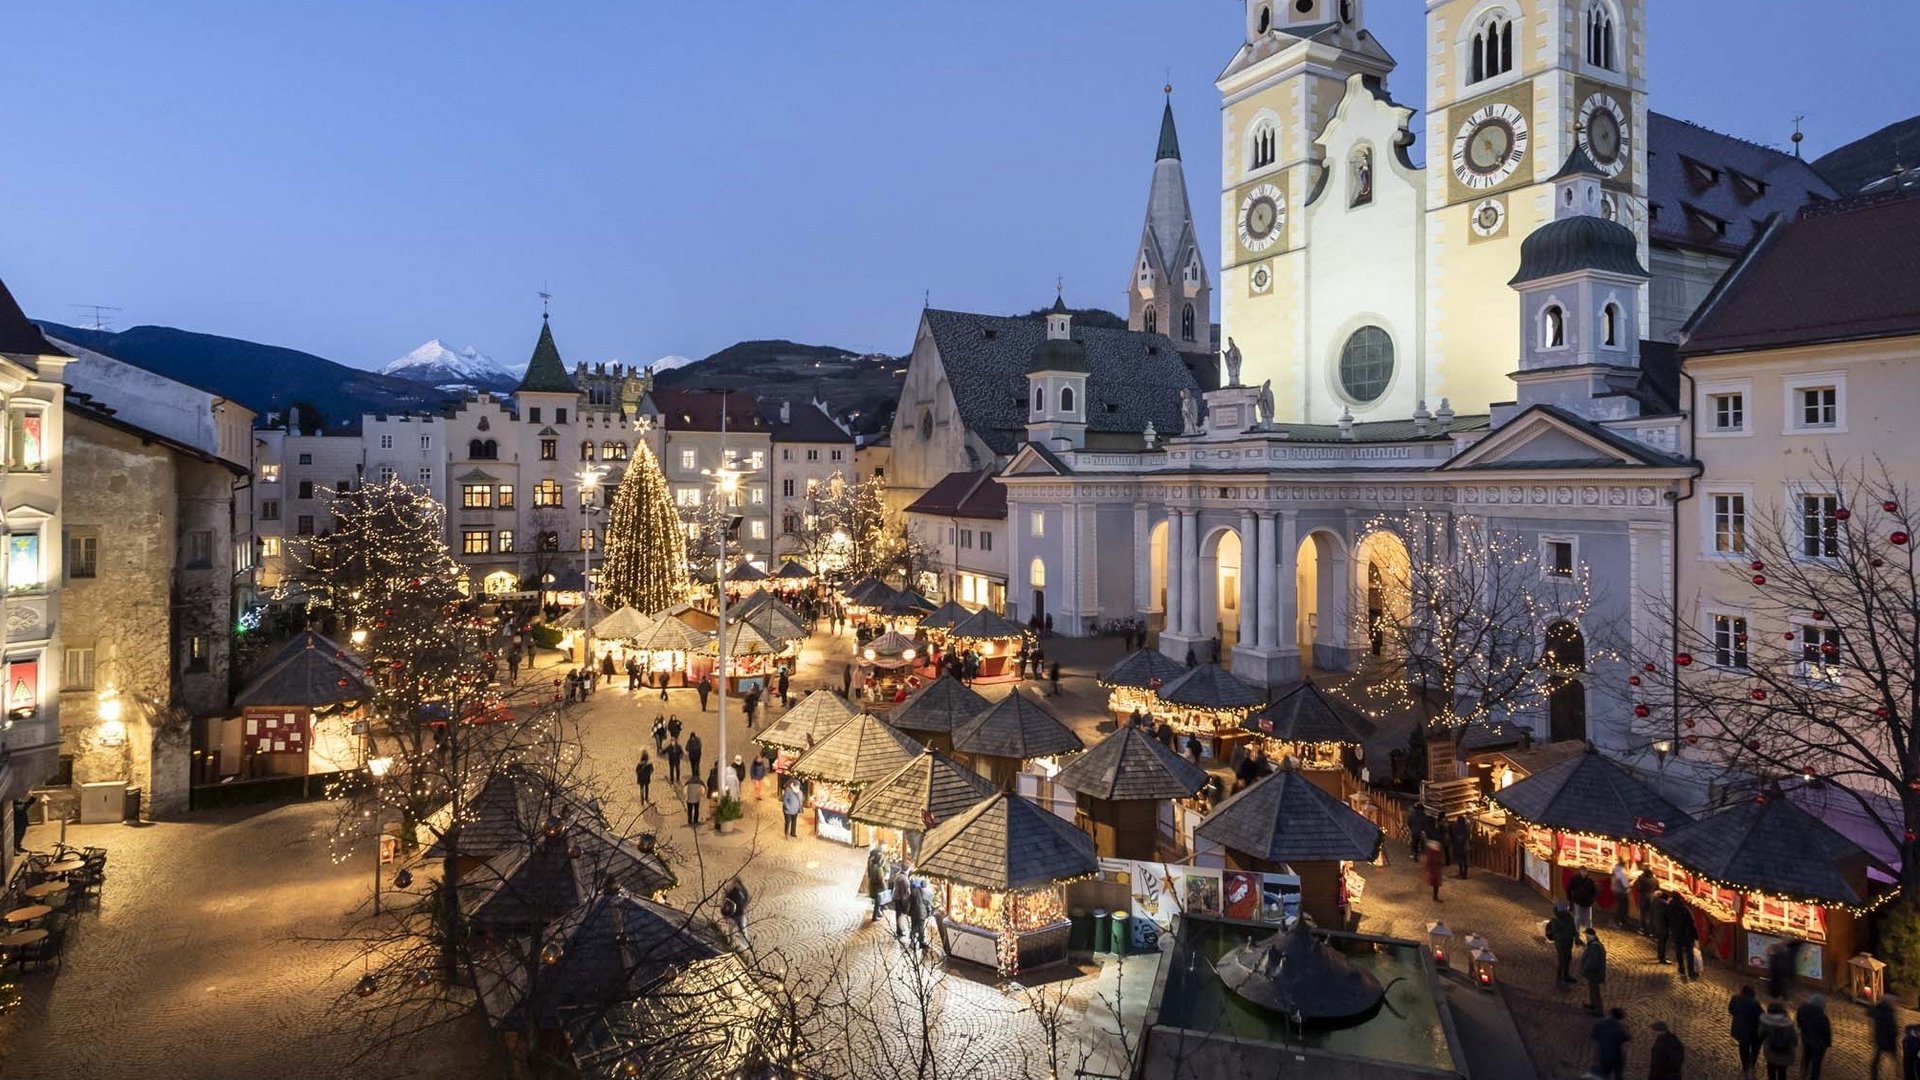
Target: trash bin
1080, 937
133, 804
1100, 930
1122, 934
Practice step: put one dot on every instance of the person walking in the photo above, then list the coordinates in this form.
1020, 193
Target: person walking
606, 667
1685, 935
919, 908
1658, 917
876, 879
704, 687
1581, 893
1193, 748
785, 675
1783, 964
791, 800
1610, 1039
673, 727
1667, 1057
1562, 933
1778, 1040
513, 663
1622, 889
901, 885
1460, 833
1643, 889
693, 795
846, 679
664, 680
733, 905
1910, 1053
1886, 1034
643, 775
758, 771
1053, 677
739, 768
1745, 1011
659, 734
752, 705
694, 750
1192, 660
1816, 1035
1593, 968
674, 754
713, 781
1416, 830
1436, 865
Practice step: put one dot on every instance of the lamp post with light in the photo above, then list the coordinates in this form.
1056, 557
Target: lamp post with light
589, 483
377, 767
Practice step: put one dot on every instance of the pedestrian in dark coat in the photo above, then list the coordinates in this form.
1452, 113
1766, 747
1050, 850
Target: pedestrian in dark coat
673, 728
704, 688
1610, 1039
1416, 830
1685, 934
752, 705
1581, 894
1816, 1035
846, 681
643, 775
1783, 962
1193, 748
1643, 889
1658, 924
1778, 1040
1593, 968
733, 905
659, 734
663, 685
902, 888
1164, 733
1667, 1057
673, 761
1053, 676
713, 781
876, 879
693, 753
1910, 1053
1562, 933
1435, 864
1744, 1008
1886, 1033
784, 676
1460, 833
918, 911
1192, 660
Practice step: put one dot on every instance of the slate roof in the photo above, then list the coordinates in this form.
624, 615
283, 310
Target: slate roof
817, 715
964, 494
806, 423
18, 335
1169, 139
1142, 669
310, 671
1581, 242
1283, 817
1711, 192
745, 571
1770, 845
668, 633
867, 592
524, 888
905, 602
946, 616
1131, 764
1136, 377
546, 373
1016, 726
627, 622
772, 617
1590, 793
612, 948
857, 753
686, 409
1210, 686
1307, 714
745, 638
987, 623
507, 810
920, 794
1842, 273
941, 705
1005, 842
792, 571
1855, 166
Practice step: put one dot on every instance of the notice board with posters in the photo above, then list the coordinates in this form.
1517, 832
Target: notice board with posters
274, 731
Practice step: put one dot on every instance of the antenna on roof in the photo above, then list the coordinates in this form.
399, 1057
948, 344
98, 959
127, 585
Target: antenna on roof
100, 320
1060, 285
545, 298
1797, 136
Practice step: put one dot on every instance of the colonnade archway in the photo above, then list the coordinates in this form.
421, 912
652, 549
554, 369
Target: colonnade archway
1221, 564
1386, 595
1320, 579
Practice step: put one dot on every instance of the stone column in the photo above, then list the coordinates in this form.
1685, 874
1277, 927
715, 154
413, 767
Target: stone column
1176, 609
1190, 574
1142, 561
1252, 573
1288, 604
1271, 580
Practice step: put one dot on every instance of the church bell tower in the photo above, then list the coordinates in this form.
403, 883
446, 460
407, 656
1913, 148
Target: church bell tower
1171, 292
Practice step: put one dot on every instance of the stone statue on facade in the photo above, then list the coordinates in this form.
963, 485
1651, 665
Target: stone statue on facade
1233, 363
1189, 413
1264, 403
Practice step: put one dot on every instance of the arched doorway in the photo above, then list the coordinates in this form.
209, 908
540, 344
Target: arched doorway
1321, 602
1156, 598
1037, 578
1566, 656
1386, 591
1220, 568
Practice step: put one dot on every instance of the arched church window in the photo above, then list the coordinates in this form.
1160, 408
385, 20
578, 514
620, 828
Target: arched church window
1360, 177
1152, 321
1553, 327
1037, 574
1186, 322
1266, 144
1492, 47
1039, 400
1066, 399
1610, 325
586, 450
1601, 36
1366, 364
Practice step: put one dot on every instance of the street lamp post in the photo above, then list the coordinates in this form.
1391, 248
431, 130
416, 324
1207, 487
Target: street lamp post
377, 767
589, 481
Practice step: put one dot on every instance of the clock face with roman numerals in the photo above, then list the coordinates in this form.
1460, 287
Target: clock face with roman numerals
1489, 146
1262, 214
1603, 132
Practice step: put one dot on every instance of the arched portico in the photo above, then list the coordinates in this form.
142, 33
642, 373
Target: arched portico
1221, 567
1383, 569
1156, 598
1322, 606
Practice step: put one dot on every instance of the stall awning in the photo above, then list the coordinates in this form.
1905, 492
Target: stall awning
1147, 669
1005, 842
817, 715
1284, 817
1594, 794
920, 794
1769, 845
1131, 764
1016, 726
946, 616
627, 624
986, 623
1306, 714
859, 752
940, 706
1211, 686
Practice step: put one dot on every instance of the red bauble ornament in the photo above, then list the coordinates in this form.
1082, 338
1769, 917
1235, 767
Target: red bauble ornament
1693, 740
1753, 745
1910, 836
1642, 711
1898, 537
1759, 695
1876, 562
1830, 649
1690, 721
1649, 666
1757, 565
1759, 579
1684, 659
1882, 712
1890, 506
1818, 616
1842, 514
343, 682
1633, 680
1761, 799
1789, 635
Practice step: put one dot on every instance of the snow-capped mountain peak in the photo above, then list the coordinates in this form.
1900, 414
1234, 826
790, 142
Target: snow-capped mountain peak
437, 364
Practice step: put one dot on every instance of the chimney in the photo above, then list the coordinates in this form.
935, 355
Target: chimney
786, 412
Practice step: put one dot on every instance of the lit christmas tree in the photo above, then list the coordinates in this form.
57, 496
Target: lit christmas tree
646, 563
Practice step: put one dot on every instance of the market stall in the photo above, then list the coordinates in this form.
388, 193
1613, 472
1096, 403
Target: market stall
1208, 702
937, 622
1578, 817
1323, 734
791, 575
771, 615
800, 727
997, 641
1764, 872
667, 645
1132, 684
297, 717
1011, 734
1000, 870
915, 797
752, 656
863, 599
932, 712
1284, 822
1124, 789
889, 661
860, 752
903, 609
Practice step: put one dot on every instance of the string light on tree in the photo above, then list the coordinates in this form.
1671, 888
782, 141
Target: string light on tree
646, 555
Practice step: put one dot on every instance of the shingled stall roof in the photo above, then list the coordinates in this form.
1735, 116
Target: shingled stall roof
745, 571
920, 794
867, 592
857, 753
965, 494
505, 811
1016, 726
1590, 793
1136, 377
1769, 845
940, 706
987, 623
310, 671
744, 638
817, 715
793, 571
626, 623
1283, 817
669, 634
1306, 714
946, 616
774, 618
524, 888
1131, 764
1005, 842
1841, 273
905, 602
1146, 669
1210, 686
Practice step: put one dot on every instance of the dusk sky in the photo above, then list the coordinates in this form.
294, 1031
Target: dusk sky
354, 178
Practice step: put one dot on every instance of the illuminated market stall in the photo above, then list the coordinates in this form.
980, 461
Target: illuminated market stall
1124, 789
1209, 702
752, 655
1132, 684
998, 641
889, 661
791, 575
1318, 731
863, 599
1763, 872
932, 712
937, 622
668, 645
1577, 817
297, 717
1286, 823
915, 797
858, 753
771, 615
800, 727
903, 609
1000, 871
1011, 734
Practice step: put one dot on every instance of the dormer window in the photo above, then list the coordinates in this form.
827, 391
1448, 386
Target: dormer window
1492, 47
1601, 49
1553, 327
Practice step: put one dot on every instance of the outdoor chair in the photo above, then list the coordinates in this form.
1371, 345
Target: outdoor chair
44, 951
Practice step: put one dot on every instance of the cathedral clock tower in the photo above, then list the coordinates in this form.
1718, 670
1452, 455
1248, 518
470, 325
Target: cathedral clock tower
1514, 86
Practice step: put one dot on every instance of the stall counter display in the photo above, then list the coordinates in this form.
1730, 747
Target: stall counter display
1005, 930
831, 802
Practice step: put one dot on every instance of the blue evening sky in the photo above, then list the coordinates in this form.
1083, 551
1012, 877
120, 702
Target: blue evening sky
353, 178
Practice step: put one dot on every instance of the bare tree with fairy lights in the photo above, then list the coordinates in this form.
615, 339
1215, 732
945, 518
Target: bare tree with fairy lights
646, 549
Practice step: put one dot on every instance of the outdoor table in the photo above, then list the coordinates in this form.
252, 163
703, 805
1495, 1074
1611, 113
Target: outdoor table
44, 890
65, 866
27, 914
20, 939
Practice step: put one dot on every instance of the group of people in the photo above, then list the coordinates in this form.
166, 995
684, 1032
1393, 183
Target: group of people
1439, 842
893, 889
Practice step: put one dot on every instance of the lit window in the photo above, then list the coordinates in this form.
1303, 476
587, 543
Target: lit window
1730, 523
689, 461
506, 496
1557, 558
1728, 412
548, 493
476, 496
270, 473
757, 529
759, 497
756, 459
614, 451
586, 539
1730, 641
1037, 523
587, 450
476, 542
199, 652
23, 561
549, 449
1819, 653
686, 497
506, 540
1819, 527
269, 547
26, 446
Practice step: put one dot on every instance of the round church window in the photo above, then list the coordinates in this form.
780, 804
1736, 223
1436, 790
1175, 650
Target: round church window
1366, 364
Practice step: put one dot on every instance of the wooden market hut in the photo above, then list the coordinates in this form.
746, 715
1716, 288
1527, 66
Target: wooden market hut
1765, 871
668, 644
864, 597
1318, 731
889, 660
934, 710
917, 796
817, 716
1133, 683
296, 716
792, 575
623, 624
1579, 816
944, 618
506, 811
1284, 822
860, 752
771, 615
1001, 868
1121, 786
703, 621
1210, 702
998, 640
1007, 734
752, 654
525, 888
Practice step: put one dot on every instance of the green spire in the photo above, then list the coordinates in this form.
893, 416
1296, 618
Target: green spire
546, 374
1169, 142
